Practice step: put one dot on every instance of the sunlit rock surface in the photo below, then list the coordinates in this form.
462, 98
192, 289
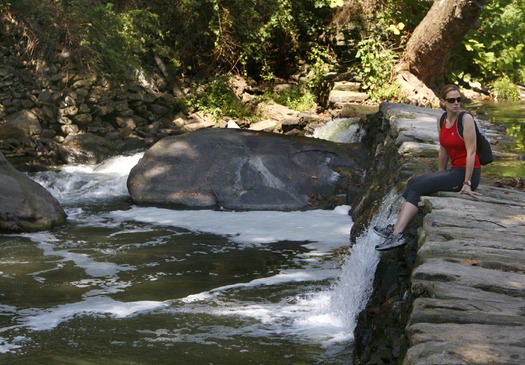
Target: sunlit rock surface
456, 293
469, 286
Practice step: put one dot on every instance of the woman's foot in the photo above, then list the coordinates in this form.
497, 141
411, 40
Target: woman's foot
384, 232
393, 241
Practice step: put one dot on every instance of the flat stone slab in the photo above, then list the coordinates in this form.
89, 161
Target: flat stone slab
459, 343
469, 283
466, 298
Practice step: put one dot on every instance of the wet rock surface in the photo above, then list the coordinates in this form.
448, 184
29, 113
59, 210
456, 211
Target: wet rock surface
455, 294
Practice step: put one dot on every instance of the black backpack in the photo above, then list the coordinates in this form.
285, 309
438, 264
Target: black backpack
482, 143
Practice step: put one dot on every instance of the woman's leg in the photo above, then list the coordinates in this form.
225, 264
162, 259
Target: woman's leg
417, 186
406, 215
423, 185
432, 183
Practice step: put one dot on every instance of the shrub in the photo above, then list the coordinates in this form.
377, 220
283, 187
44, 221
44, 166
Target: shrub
496, 48
503, 88
218, 99
298, 98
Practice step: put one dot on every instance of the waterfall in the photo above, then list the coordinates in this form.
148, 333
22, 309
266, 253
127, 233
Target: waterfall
341, 130
80, 183
355, 282
354, 285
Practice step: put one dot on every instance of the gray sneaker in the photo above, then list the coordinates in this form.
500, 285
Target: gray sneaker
392, 242
384, 232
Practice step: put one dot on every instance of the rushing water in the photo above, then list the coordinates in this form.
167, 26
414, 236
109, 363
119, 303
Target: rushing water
123, 284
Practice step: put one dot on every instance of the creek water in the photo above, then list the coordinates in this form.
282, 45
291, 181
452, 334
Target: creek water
123, 284
512, 116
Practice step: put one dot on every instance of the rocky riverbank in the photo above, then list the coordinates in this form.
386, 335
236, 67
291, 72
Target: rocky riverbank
456, 293
55, 112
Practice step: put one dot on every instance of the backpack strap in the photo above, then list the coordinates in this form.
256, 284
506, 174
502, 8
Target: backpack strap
459, 124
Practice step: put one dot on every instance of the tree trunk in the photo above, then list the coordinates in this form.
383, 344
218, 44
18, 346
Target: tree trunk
422, 65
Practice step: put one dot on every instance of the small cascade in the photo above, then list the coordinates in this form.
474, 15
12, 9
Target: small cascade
341, 130
355, 283
353, 287
282, 291
80, 183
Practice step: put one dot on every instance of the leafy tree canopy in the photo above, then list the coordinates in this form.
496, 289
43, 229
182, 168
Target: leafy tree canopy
262, 39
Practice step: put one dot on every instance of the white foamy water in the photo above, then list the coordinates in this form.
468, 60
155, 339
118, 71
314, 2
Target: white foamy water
81, 183
354, 283
306, 314
47, 319
325, 229
342, 130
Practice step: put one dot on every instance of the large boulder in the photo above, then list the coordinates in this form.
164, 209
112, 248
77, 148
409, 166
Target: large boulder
20, 125
244, 170
24, 204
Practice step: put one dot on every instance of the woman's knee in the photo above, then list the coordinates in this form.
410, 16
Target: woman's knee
412, 196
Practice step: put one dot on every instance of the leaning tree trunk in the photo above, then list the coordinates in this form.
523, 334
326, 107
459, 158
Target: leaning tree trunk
422, 66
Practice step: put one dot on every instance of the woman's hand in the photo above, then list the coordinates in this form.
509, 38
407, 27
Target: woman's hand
468, 191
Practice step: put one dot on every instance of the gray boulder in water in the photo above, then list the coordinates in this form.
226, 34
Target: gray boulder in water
25, 205
244, 170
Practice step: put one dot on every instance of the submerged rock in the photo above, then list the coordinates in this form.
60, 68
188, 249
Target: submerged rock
24, 204
244, 170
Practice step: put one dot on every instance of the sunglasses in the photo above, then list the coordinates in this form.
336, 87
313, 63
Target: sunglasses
452, 100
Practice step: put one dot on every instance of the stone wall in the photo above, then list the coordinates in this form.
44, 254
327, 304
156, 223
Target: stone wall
58, 99
56, 112
379, 334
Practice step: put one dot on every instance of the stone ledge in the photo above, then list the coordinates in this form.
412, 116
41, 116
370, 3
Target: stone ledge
455, 294
469, 283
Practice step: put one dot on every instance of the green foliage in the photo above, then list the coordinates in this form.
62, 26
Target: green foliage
219, 100
378, 52
101, 37
261, 39
117, 40
329, 3
503, 88
298, 98
517, 130
264, 40
496, 49
377, 63
319, 63
408, 12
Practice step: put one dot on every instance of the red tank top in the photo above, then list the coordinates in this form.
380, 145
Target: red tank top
455, 146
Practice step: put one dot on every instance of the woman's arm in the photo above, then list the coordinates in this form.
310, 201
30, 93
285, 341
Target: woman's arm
443, 155
442, 159
469, 136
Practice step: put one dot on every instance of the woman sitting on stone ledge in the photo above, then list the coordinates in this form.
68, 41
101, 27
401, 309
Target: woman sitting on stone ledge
463, 177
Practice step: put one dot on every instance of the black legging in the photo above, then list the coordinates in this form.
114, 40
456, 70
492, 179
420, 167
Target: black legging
451, 180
